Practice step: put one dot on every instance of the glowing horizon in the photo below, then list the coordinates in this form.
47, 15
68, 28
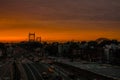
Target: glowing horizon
59, 20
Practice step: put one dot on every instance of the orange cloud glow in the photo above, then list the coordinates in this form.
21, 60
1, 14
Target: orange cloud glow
14, 30
59, 20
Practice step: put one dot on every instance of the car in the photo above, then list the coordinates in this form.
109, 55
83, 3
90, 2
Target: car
50, 70
45, 75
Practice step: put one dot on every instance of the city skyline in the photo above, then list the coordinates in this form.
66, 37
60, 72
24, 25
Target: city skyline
59, 20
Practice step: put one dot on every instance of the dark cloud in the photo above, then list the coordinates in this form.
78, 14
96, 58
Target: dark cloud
108, 10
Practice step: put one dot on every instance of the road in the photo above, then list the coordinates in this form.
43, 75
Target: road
43, 71
32, 72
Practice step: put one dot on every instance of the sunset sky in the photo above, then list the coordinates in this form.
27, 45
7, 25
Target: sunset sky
59, 20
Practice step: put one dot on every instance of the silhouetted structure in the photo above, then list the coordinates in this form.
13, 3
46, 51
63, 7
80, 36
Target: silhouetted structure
31, 37
38, 39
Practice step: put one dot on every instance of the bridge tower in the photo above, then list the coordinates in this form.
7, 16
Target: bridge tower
38, 39
31, 37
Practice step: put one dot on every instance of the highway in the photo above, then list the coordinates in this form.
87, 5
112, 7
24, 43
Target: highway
38, 70
32, 72
43, 71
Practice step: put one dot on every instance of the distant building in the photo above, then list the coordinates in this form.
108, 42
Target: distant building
60, 50
110, 52
39, 51
1, 53
9, 50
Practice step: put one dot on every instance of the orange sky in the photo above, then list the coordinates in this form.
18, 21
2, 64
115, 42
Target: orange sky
58, 30
59, 20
